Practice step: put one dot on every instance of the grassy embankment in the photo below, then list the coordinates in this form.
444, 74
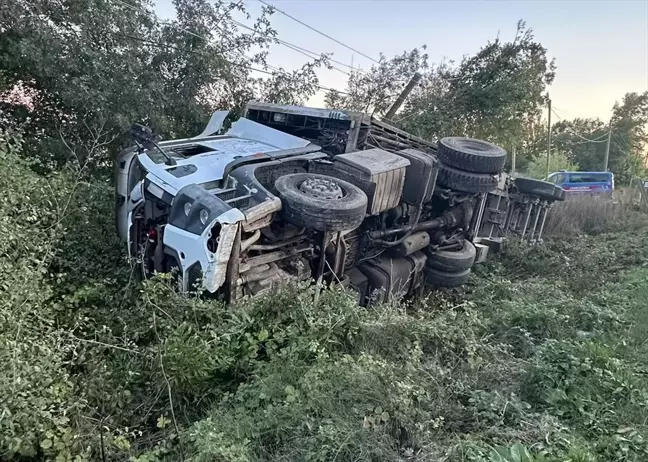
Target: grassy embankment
546, 348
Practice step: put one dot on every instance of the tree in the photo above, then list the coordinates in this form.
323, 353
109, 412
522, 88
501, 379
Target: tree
497, 94
559, 160
290, 87
584, 140
374, 91
108, 63
629, 136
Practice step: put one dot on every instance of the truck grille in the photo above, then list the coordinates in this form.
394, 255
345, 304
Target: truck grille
194, 276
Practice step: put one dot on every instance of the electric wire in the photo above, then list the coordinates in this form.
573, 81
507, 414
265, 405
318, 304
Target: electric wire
162, 45
318, 31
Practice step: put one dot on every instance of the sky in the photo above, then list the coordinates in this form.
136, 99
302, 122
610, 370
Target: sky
600, 46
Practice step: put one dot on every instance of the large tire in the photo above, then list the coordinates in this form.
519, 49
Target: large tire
319, 212
538, 188
438, 278
466, 181
471, 155
453, 261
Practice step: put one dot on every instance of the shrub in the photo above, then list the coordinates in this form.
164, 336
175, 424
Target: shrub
594, 388
39, 397
104, 367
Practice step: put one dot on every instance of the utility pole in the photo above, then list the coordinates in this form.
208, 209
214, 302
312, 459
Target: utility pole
401, 98
513, 163
548, 137
607, 148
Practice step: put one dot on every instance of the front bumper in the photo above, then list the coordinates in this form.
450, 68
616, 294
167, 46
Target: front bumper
191, 249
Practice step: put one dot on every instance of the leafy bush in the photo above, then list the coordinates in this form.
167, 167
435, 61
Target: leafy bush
594, 388
38, 395
540, 358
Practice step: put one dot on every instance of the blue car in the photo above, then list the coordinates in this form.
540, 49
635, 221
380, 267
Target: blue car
591, 183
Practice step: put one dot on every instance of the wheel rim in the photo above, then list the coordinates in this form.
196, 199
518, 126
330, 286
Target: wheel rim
321, 188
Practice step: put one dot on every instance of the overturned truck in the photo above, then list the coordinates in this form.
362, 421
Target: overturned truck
292, 193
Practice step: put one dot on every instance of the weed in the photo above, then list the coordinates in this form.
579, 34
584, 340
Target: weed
593, 215
541, 358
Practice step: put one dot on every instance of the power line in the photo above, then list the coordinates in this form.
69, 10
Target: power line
281, 71
557, 109
292, 46
316, 57
305, 50
413, 114
298, 49
162, 45
623, 141
318, 31
580, 136
596, 140
302, 50
232, 63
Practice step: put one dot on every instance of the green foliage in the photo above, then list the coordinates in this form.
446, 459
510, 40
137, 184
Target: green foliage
541, 358
38, 393
593, 387
132, 67
101, 366
558, 161
627, 143
373, 92
496, 94
567, 137
516, 453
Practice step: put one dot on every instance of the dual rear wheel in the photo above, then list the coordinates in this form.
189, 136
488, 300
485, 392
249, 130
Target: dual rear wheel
469, 165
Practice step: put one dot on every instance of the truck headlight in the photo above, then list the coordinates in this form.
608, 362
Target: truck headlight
194, 208
204, 216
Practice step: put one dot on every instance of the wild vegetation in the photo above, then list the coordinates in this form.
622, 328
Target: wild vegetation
541, 358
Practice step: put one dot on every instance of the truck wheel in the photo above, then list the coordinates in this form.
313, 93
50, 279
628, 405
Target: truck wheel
539, 188
321, 202
453, 261
439, 278
466, 181
471, 155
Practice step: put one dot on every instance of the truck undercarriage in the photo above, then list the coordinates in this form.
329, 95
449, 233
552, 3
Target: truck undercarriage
293, 194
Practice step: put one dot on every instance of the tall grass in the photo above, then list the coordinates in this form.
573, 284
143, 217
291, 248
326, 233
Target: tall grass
594, 215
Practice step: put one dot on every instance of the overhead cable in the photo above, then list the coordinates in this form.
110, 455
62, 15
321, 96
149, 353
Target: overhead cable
318, 31
159, 44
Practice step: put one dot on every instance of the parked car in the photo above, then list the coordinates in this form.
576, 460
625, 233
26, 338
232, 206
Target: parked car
592, 183
291, 194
